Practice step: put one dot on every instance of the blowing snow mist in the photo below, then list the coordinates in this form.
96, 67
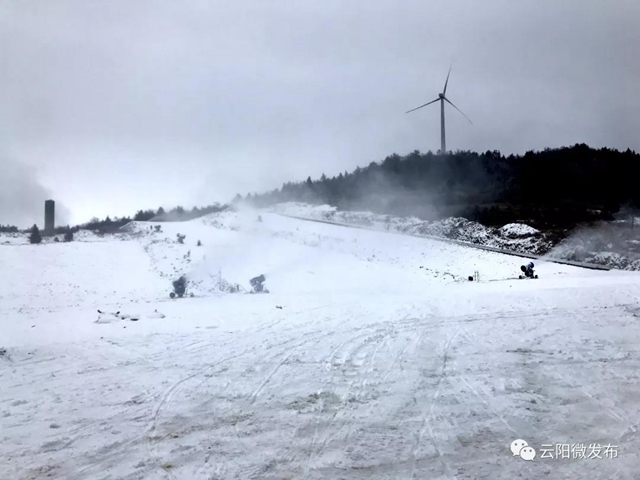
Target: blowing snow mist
22, 197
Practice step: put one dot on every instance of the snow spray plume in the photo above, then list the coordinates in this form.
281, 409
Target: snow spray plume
22, 197
613, 243
426, 186
381, 193
243, 256
237, 257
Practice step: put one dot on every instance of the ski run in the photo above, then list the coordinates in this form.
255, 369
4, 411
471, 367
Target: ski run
372, 356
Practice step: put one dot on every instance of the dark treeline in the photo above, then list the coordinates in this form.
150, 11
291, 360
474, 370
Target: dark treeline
177, 214
110, 225
553, 188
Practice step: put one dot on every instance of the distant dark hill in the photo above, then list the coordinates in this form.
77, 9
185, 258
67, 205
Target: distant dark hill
549, 189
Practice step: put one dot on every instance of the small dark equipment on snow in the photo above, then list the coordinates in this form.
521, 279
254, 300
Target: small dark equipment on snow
179, 287
527, 270
256, 284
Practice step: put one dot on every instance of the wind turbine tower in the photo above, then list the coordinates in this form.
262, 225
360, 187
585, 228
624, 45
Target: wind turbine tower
442, 98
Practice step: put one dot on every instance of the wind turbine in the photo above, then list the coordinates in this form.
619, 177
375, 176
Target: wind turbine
442, 98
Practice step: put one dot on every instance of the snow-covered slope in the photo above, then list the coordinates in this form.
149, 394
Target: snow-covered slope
372, 357
608, 244
55, 275
514, 236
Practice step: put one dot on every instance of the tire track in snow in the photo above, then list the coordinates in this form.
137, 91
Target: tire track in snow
612, 412
331, 362
258, 390
476, 391
291, 455
320, 436
402, 353
286, 316
360, 360
295, 451
426, 420
288, 351
167, 395
283, 347
337, 422
359, 389
83, 428
406, 325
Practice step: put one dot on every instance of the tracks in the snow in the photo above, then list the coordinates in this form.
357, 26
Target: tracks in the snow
348, 369
358, 363
427, 418
259, 353
351, 366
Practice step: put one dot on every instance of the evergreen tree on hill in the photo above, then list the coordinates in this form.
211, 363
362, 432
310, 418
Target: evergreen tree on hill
35, 236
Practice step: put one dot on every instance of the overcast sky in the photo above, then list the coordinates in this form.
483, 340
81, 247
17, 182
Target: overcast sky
112, 106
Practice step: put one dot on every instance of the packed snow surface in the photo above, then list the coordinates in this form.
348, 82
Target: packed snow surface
373, 356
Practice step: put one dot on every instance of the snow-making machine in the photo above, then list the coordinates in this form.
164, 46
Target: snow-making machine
257, 284
179, 287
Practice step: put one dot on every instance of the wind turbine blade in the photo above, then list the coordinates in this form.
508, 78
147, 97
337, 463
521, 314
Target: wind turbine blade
413, 109
449, 101
445, 83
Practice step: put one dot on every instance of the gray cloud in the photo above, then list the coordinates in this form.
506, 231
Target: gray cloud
125, 105
22, 197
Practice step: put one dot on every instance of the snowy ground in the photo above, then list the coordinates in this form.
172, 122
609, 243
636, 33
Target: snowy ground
382, 361
515, 237
609, 244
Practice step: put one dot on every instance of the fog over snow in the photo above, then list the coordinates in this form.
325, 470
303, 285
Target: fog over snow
124, 105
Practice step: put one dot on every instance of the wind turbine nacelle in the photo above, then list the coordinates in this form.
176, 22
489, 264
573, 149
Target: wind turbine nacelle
441, 95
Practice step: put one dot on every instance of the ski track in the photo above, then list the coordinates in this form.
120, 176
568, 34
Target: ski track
427, 420
335, 363
355, 361
166, 397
